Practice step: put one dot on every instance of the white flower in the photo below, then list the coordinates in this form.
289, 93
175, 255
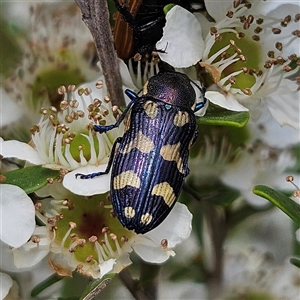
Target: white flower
17, 216
65, 140
266, 129
215, 153
28, 278
9, 288
84, 235
245, 56
258, 164
156, 245
253, 274
58, 50
258, 154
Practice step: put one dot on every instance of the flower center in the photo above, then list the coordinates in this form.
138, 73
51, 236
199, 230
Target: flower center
245, 50
88, 230
49, 80
65, 137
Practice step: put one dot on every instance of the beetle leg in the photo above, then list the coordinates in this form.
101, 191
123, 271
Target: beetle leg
187, 172
202, 89
192, 192
111, 158
199, 105
104, 128
195, 137
126, 15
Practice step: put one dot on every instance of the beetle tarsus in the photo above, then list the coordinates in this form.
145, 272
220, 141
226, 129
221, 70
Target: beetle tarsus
103, 129
89, 176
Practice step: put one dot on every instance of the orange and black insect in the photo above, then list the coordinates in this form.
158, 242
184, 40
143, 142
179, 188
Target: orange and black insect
139, 25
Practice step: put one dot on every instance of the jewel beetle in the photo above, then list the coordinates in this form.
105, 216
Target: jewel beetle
150, 161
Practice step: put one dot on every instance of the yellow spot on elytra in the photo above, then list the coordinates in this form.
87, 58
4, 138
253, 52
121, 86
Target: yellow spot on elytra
172, 153
140, 142
150, 108
126, 178
181, 118
145, 88
165, 191
146, 218
129, 212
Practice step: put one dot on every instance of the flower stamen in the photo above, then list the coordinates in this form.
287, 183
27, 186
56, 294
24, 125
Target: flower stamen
291, 180
72, 225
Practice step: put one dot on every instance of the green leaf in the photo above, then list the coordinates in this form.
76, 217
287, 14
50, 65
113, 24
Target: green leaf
224, 196
295, 262
168, 7
296, 243
219, 195
30, 179
149, 273
96, 286
216, 115
45, 284
287, 205
235, 217
296, 152
11, 52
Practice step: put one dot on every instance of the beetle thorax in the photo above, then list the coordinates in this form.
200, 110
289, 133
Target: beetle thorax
171, 87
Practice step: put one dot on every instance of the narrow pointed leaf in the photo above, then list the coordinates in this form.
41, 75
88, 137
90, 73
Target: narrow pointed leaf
30, 179
45, 284
295, 262
287, 205
219, 116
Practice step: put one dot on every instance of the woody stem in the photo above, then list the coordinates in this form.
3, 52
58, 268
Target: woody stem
95, 15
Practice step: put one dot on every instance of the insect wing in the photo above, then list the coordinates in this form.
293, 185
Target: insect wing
151, 163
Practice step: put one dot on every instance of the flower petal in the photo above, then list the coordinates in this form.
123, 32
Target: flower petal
267, 129
6, 284
153, 254
18, 216
217, 9
175, 228
20, 150
284, 104
10, 111
122, 261
60, 264
106, 266
279, 10
7, 258
28, 259
87, 187
30, 254
229, 102
184, 51
126, 78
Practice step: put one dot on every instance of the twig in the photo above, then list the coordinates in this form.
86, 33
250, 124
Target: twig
95, 15
139, 293
217, 223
